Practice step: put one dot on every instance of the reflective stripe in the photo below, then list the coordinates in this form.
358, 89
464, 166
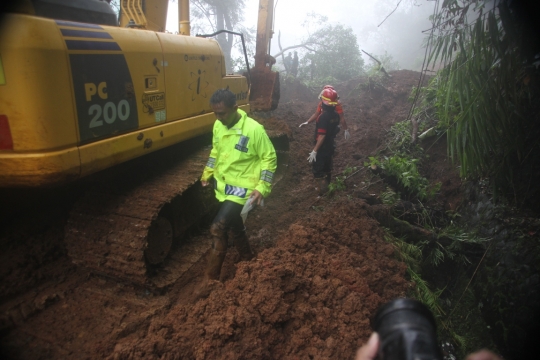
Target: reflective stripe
211, 162
235, 190
242, 144
267, 176
328, 101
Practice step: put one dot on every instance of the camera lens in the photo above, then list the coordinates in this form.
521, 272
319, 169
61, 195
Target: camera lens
407, 331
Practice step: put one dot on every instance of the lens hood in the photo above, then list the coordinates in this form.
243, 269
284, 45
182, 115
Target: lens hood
407, 330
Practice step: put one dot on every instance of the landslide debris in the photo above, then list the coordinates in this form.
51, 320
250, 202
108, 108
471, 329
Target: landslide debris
310, 296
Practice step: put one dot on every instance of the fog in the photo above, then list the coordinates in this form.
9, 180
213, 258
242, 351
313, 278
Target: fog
400, 34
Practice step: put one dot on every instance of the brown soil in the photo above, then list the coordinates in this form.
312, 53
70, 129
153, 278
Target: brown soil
323, 266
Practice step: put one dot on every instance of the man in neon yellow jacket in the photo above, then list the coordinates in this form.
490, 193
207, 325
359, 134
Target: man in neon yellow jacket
242, 165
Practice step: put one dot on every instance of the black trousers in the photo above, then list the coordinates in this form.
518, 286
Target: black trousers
227, 220
322, 167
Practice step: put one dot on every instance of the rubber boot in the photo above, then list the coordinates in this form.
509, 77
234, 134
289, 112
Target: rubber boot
218, 251
323, 186
241, 243
215, 261
211, 275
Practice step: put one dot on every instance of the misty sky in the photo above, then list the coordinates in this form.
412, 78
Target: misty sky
400, 35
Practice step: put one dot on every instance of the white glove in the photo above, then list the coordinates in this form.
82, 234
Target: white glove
312, 156
347, 135
302, 124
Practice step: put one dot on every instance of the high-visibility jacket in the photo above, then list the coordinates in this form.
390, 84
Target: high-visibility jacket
242, 159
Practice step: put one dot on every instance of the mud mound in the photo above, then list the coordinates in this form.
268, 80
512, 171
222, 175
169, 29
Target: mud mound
310, 296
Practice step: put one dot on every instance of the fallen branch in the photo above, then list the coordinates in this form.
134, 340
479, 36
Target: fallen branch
400, 228
368, 185
390, 13
381, 67
354, 173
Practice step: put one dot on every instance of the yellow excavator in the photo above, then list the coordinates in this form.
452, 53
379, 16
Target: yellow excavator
83, 95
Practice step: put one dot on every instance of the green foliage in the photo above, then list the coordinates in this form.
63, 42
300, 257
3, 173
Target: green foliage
373, 162
399, 140
411, 255
399, 136
338, 183
349, 170
406, 172
389, 197
438, 253
459, 235
402, 164
387, 61
429, 297
485, 96
374, 81
331, 55
425, 111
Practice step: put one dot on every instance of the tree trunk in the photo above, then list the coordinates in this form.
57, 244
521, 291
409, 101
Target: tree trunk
223, 39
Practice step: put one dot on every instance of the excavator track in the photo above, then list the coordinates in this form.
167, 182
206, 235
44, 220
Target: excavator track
130, 225
110, 225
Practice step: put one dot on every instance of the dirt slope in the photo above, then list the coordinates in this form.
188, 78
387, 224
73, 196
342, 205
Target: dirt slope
323, 266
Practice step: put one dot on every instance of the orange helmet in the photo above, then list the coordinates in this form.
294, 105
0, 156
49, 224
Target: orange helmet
329, 97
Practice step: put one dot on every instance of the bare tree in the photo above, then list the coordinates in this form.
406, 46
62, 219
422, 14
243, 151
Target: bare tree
212, 15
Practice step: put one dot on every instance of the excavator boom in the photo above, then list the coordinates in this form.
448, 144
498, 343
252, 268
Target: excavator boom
149, 15
264, 94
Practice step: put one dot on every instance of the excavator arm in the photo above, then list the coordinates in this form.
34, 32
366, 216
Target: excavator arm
264, 94
148, 15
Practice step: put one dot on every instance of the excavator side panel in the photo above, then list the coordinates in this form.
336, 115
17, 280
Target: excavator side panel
195, 69
79, 98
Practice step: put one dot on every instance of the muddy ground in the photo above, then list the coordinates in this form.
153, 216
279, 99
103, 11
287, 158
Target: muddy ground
323, 266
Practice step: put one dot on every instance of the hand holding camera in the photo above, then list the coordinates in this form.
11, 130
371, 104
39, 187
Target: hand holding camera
405, 329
